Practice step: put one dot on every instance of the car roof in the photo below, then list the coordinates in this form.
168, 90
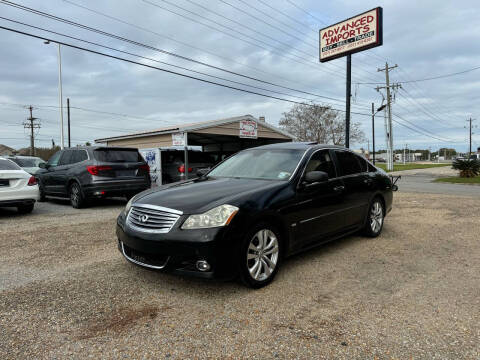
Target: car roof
299, 146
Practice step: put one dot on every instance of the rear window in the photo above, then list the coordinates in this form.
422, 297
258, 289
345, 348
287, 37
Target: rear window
25, 162
113, 155
8, 165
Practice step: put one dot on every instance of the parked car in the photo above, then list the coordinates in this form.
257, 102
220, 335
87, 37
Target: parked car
254, 209
84, 173
173, 164
30, 164
17, 187
475, 157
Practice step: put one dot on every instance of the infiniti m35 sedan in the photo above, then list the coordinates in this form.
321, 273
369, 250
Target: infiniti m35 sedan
251, 211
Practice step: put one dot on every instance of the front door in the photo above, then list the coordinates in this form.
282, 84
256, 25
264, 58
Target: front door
319, 204
47, 177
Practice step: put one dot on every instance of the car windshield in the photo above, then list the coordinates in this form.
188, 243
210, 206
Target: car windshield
269, 164
8, 165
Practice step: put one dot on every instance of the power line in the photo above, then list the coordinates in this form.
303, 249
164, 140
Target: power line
429, 78
85, 27
162, 69
175, 40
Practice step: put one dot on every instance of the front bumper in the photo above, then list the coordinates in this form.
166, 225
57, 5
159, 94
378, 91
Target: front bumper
179, 250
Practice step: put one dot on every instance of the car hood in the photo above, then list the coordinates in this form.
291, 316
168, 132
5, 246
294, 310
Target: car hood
198, 196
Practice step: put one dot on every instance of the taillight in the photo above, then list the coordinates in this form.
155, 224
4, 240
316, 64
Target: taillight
181, 169
94, 170
32, 181
145, 167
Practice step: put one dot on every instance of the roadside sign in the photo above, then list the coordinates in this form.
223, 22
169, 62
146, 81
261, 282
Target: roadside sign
178, 139
248, 129
358, 33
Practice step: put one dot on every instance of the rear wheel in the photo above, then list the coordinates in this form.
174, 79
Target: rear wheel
77, 198
25, 209
259, 257
375, 217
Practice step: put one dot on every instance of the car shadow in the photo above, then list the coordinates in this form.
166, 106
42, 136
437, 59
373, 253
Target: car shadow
94, 203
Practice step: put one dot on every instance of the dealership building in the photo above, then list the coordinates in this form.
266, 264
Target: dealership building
224, 135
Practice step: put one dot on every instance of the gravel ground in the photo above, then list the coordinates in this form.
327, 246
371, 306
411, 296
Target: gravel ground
414, 292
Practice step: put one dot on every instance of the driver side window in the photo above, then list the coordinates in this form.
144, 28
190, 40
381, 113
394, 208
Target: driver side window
321, 161
53, 161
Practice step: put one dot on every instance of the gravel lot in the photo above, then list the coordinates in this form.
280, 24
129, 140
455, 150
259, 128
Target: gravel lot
414, 292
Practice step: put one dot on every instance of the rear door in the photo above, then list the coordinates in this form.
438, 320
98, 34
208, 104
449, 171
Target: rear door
356, 192
121, 164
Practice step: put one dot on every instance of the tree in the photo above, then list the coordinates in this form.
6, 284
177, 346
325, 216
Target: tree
319, 123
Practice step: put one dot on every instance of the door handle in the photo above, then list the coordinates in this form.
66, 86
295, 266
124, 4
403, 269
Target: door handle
367, 181
339, 188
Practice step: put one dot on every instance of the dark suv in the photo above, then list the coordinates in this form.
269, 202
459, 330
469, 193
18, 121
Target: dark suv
83, 173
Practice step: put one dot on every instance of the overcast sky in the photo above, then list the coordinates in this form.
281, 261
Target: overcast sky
280, 45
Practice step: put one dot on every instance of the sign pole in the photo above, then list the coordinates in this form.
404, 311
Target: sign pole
347, 101
186, 155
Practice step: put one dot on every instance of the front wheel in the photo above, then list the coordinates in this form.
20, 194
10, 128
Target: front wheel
259, 257
375, 218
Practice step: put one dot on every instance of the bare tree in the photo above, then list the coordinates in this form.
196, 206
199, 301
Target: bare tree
319, 123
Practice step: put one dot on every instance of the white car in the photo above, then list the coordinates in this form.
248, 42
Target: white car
17, 187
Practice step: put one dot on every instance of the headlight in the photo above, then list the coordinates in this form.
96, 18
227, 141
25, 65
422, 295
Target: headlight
128, 206
219, 216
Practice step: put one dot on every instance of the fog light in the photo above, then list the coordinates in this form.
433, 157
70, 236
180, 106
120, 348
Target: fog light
202, 265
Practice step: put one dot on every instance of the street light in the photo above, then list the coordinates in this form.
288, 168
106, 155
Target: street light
60, 96
373, 127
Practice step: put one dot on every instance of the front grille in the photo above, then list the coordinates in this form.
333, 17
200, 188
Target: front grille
152, 218
149, 260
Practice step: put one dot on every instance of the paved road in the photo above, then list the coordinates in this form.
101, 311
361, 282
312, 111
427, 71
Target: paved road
424, 184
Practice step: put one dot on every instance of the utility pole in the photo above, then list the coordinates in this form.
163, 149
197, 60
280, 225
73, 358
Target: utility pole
68, 120
388, 87
32, 125
470, 132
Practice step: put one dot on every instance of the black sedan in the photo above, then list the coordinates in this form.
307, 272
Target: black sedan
253, 210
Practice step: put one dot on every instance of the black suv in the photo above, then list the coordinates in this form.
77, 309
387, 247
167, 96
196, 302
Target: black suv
83, 173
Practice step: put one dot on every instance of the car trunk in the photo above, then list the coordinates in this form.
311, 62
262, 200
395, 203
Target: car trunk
119, 164
13, 179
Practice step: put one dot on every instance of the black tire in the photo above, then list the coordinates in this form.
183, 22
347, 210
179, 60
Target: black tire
41, 190
258, 255
375, 218
25, 209
77, 199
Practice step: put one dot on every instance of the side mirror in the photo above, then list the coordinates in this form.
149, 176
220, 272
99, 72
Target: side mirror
202, 172
43, 165
315, 177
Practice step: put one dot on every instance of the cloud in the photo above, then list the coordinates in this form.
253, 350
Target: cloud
424, 38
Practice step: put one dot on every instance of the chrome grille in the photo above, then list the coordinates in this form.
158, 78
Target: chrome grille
152, 218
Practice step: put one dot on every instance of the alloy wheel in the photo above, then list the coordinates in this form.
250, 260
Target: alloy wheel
376, 217
262, 255
74, 194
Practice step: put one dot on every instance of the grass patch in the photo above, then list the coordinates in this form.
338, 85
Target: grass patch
459, 180
412, 166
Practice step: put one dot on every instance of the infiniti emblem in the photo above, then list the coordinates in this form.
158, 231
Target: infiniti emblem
144, 218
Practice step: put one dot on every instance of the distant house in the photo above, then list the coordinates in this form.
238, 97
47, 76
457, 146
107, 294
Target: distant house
6, 150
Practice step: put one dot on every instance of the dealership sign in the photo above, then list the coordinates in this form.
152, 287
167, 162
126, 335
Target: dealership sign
248, 129
356, 34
